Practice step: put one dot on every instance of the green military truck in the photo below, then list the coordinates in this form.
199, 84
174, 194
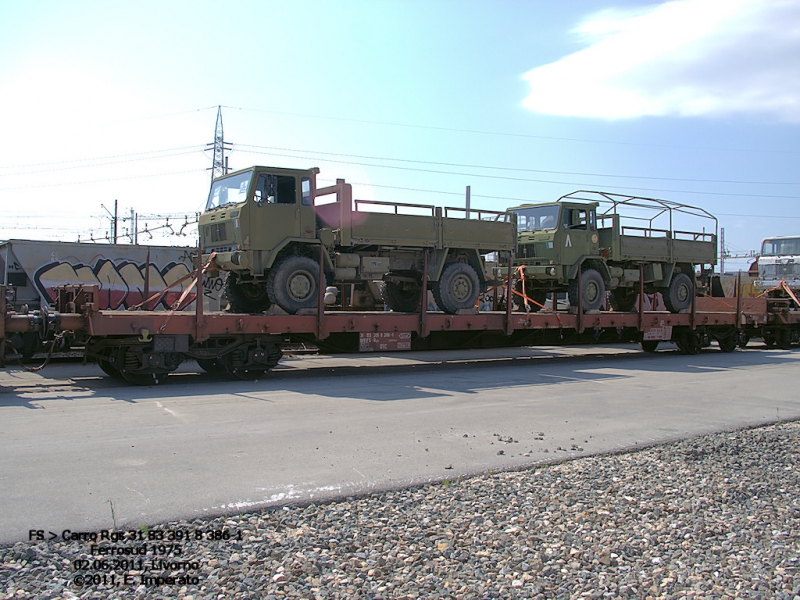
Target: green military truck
269, 228
607, 240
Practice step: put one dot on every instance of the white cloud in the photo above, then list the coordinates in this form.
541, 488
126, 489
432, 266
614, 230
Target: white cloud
680, 58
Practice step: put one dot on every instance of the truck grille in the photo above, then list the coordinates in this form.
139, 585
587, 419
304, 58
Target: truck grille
218, 232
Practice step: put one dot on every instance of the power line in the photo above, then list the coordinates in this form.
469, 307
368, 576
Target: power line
76, 160
521, 200
48, 185
507, 134
528, 180
520, 170
173, 114
102, 164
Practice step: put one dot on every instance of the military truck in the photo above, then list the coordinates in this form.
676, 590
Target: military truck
608, 247
270, 228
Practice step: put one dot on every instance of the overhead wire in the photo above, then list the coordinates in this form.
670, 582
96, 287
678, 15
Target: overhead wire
529, 180
520, 200
76, 160
62, 183
506, 133
99, 164
520, 170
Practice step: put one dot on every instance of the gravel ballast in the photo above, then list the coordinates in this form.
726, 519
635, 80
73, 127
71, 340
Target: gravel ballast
710, 517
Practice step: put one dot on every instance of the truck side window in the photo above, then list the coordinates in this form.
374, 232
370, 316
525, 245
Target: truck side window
575, 218
275, 189
260, 194
287, 189
305, 188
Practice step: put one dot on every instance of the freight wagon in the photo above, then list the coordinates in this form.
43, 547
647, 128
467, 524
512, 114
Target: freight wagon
124, 274
142, 347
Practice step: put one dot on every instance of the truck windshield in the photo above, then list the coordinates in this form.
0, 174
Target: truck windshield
781, 247
230, 190
537, 217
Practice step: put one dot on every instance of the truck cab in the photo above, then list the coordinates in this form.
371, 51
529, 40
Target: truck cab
779, 261
252, 214
553, 238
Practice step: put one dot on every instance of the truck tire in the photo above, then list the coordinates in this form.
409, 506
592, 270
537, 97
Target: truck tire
402, 297
624, 299
678, 296
458, 288
246, 296
292, 284
534, 294
594, 290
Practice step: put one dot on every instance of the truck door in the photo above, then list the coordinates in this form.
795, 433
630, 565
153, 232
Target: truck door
580, 233
279, 211
308, 217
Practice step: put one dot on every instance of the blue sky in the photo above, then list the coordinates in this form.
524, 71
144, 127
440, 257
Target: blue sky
695, 101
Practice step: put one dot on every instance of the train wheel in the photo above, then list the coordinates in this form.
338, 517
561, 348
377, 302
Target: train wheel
728, 344
26, 344
402, 297
458, 288
251, 361
211, 365
688, 344
649, 345
141, 378
293, 284
783, 340
110, 369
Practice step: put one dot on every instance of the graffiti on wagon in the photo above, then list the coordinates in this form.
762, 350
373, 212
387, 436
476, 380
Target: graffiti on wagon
121, 283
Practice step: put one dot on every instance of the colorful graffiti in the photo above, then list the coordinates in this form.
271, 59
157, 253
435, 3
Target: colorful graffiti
121, 283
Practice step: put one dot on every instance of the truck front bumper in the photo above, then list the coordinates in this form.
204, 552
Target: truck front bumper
236, 260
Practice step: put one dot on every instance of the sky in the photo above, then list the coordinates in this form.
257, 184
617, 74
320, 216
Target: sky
692, 101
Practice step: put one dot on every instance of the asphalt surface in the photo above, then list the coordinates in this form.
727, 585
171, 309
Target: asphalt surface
83, 452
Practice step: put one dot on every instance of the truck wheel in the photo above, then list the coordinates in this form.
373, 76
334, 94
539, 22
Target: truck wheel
246, 296
292, 284
534, 294
624, 299
402, 297
458, 288
678, 296
594, 290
